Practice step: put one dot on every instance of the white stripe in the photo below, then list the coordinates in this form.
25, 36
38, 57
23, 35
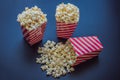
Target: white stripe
65, 24
36, 34
83, 45
98, 41
95, 42
65, 30
87, 44
36, 38
91, 42
77, 50
79, 46
67, 27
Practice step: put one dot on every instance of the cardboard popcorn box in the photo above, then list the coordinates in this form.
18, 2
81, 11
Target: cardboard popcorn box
33, 22
67, 17
85, 47
35, 35
65, 30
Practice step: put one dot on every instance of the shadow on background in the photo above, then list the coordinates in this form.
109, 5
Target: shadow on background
29, 53
62, 40
83, 67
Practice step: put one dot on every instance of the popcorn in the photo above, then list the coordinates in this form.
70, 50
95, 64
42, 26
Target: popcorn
67, 13
55, 60
33, 23
67, 18
60, 59
31, 18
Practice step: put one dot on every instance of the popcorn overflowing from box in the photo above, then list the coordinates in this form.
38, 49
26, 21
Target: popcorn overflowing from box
59, 59
67, 18
55, 58
85, 47
33, 23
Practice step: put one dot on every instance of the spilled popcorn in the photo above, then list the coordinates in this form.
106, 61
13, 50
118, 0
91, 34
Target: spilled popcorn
31, 18
67, 13
56, 58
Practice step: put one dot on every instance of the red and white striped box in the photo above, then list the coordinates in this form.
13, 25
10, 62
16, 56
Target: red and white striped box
65, 30
35, 35
85, 48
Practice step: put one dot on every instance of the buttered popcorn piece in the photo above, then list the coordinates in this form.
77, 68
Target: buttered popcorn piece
57, 58
31, 18
67, 13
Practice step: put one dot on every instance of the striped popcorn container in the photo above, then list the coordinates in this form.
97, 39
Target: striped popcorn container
35, 35
65, 30
85, 48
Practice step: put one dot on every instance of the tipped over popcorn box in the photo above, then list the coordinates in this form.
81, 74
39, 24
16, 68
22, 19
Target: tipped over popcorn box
67, 18
33, 22
58, 59
85, 47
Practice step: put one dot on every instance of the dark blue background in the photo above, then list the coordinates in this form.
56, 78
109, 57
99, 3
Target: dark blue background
97, 17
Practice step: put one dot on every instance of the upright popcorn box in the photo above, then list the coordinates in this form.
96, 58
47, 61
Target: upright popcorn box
67, 18
85, 48
35, 35
65, 30
33, 22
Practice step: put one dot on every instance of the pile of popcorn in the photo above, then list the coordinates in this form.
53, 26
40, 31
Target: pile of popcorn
31, 18
67, 13
56, 58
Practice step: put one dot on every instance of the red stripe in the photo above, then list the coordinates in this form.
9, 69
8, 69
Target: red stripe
61, 23
60, 31
85, 44
26, 33
34, 38
35, 33
81, 45
77, 52
85, 59
85, 41
23, 29
65, 30
35, 41
66, 26
74, 45
97, 40
89, 43
95, 44
37, 29
86, 56
32, 35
